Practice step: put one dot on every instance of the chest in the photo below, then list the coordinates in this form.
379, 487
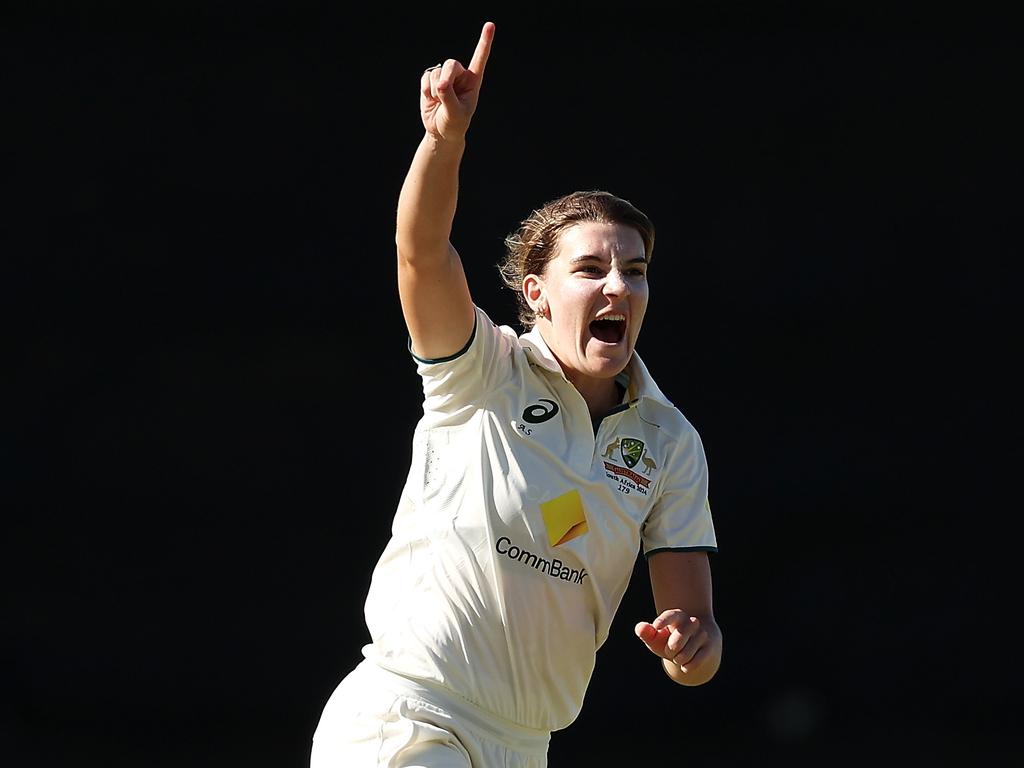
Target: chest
563, 484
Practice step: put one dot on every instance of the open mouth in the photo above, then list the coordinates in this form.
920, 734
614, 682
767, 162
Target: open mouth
610, 330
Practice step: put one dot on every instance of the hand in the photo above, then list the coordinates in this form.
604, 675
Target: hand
677, 636
449, 93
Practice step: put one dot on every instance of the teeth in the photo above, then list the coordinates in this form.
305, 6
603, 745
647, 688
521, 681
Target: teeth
612, 317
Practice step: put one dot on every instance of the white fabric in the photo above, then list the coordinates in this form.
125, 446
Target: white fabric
376, 719
480, 590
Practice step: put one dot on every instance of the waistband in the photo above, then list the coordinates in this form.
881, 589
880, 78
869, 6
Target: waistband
512, 735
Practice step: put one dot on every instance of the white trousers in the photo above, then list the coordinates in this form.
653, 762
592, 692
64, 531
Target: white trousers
377, 719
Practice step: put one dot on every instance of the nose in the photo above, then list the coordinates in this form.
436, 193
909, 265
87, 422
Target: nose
615, 284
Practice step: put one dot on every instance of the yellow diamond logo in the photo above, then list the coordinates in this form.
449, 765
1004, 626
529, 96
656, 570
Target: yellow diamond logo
564, 518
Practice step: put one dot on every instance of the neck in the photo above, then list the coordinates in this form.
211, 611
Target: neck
601, 395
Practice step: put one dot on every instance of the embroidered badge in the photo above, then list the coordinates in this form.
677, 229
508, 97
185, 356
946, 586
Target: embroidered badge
632, 452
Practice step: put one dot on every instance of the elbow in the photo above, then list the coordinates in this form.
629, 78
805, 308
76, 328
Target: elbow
421, 252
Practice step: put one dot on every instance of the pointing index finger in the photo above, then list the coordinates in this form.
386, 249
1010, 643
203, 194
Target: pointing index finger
483, 49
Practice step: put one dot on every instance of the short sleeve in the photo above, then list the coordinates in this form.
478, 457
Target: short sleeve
459, 383
680, 519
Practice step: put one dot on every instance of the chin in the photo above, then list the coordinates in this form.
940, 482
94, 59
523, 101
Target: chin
609, 367
607, 360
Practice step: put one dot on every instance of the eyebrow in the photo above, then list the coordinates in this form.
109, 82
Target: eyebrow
592, 257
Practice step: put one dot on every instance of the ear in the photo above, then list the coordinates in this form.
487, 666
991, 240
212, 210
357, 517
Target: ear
533, 290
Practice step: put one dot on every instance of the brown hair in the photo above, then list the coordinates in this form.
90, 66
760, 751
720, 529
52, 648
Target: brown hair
529, 249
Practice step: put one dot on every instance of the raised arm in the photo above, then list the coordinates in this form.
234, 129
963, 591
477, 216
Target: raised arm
432, 286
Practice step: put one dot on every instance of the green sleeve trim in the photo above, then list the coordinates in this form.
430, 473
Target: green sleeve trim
681, 549
460, 353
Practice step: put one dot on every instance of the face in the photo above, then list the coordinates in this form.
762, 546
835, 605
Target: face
595, 293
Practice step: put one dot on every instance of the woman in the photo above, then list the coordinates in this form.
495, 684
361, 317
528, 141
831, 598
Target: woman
542, 463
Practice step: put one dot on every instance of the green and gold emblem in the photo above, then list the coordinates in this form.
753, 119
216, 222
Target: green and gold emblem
631, 449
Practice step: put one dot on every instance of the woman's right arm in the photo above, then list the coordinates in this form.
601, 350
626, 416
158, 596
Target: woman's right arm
432, 286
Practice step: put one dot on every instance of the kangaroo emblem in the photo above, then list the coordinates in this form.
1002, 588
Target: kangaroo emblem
609, 452
648, 464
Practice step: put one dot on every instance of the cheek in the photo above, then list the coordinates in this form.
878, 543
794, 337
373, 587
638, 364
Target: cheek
639, 309
640, 298
573, 298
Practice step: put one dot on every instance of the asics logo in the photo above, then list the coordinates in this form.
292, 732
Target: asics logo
538, 414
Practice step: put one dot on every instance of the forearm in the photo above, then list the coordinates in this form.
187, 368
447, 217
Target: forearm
428, 198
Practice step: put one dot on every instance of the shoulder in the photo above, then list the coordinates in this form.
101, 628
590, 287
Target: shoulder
680, 440
656, 407
485, 334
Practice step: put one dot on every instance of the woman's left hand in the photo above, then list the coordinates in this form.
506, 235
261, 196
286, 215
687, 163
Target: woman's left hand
677, 637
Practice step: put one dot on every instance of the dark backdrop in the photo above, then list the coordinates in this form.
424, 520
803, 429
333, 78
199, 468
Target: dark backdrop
211, 401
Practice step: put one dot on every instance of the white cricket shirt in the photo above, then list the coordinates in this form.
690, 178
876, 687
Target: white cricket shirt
518, 529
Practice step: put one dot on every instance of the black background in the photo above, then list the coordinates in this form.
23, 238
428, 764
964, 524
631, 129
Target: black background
211, 400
